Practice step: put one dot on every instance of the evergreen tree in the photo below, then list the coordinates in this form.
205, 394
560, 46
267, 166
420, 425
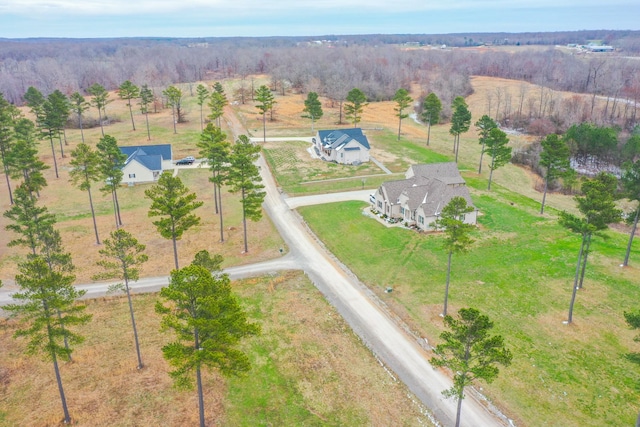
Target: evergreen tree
112, 161
58, 115
484, 126
312, 108
129, 91
244, 178
215, 148
171, 200
6, 139
598, 209
22, 159
30, 222
100, 100
631, 186
470, 352
403, 101
79, 105
202, 94
123, 257
209, 324
555, 156
456, 232
460, 122
356, 101
174, 99
146, 99
85, 169
217, 102
496, 147
265, 103
431, 109
36, 102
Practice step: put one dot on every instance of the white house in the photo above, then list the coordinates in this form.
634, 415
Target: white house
145, 163
419, 198
344, 146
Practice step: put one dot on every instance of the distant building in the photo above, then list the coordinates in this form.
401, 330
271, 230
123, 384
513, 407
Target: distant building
145, 163
599, 48
344, 146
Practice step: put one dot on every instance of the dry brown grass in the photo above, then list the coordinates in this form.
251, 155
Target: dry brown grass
329, 372
72, 206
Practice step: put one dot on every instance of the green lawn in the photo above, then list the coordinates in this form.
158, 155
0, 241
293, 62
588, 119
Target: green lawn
519, 272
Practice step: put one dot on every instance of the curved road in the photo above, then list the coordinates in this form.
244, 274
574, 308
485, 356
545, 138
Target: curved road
379, 331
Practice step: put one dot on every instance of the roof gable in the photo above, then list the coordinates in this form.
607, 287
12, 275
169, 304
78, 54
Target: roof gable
338, 138
163, 150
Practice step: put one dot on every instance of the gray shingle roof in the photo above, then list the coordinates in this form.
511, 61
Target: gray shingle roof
429, 187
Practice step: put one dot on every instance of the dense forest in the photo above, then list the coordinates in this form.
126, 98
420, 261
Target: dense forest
331, 66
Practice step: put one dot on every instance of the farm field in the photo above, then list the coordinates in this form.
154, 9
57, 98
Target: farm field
308, 369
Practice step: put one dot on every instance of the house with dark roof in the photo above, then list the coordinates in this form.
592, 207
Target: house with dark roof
145, 163
344, 146
418, 199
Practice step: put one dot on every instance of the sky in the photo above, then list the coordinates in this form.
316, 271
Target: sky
222, 18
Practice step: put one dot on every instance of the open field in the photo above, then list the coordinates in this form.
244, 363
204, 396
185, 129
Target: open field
519, 272
308, 369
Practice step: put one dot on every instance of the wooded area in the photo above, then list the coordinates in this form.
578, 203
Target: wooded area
378, 65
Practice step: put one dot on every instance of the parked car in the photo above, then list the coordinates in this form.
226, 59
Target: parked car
186, 161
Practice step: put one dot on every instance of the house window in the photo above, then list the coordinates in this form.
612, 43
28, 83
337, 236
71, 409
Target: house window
402, 211
461, 218
132, 175
379, 204
421, 219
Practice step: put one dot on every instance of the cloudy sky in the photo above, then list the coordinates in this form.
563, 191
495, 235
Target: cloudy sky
214, 18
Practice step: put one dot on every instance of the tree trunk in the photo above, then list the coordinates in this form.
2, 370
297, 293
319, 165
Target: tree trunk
244, 224
146, 116
93, 215
115, 193
133, 321
429, 130
115, 210
173, 115
6, 175
544, 193
215, 193
481, 155
199, 383
61, 148
457, 147
459, 411
175, 246
264, 126
220, 212
575, 281
446, 289
53, 152
80, 124
633, 232
100, 118
133, 124
63, 399
399, 125
201, 119
584, 261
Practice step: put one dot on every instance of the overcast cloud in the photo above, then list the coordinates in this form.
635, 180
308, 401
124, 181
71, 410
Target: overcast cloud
210, 18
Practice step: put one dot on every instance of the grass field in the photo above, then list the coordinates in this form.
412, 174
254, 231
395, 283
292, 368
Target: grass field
519, 272
308, 369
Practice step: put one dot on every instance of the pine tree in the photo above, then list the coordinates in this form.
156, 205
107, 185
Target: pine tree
356, 101
85, 165
312, 108
265, 103
129, 91
431, 109
403, 101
